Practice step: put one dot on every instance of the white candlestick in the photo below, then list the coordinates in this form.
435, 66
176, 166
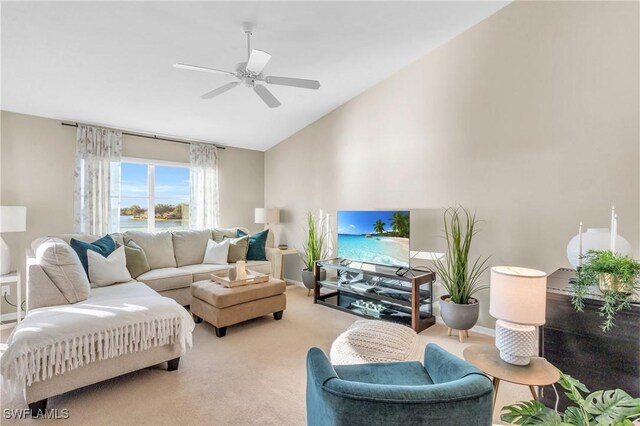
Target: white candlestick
614, 233
580, 245
612, 241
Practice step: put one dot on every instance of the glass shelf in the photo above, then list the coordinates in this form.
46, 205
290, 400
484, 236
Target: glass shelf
378, 292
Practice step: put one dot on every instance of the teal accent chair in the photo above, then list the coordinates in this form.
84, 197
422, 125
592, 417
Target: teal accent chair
446, 391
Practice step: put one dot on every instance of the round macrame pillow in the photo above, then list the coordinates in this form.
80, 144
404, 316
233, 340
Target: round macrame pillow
374, 341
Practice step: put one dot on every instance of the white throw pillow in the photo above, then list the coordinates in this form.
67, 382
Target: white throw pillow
104, 271
217, 253
62, 265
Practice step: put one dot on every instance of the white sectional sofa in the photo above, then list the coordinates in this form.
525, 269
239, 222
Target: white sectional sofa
95, 330
175, 258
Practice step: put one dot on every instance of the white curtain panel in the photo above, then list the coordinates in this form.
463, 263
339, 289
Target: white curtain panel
97, 180
204, 210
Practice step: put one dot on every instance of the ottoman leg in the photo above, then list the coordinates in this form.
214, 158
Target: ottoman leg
196, 319
220, 331
278, 315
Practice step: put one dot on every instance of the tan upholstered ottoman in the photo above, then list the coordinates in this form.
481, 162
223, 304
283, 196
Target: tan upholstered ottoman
221, 306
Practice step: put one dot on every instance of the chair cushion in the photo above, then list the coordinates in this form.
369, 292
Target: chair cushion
158, 247
389, 373
189, 246
375, 341
203, 271
162, 279
222, 297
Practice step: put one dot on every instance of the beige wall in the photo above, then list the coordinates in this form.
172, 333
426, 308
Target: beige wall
530, 118
37, 160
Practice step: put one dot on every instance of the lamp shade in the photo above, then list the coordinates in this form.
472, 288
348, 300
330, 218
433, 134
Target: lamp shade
518, 295
13, 219
264, 215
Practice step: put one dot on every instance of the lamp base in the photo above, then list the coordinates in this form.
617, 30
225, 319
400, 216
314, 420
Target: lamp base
516, 342
5, 258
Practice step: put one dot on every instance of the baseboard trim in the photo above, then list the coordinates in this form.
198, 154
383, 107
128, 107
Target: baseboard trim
477, 328
9, 320
13, 316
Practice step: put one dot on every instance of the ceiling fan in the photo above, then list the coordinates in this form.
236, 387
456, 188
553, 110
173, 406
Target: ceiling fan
250, 73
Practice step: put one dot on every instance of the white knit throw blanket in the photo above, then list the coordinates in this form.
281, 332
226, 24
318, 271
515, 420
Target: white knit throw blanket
52, 340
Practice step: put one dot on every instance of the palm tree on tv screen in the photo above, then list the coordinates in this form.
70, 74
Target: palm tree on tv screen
378, 227
400, 224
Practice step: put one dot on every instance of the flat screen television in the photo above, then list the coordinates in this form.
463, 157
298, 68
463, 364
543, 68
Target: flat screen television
374, 236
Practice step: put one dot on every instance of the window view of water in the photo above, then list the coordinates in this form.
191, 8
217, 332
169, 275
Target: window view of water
128, 223
169, 191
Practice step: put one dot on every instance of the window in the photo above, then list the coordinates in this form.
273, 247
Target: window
154, 196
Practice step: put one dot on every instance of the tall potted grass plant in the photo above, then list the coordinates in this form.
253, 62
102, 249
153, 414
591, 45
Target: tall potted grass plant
314, 249
460, 277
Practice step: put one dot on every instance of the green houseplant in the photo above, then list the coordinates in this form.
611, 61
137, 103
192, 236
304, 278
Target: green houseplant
615, 275
609, 407
458, 274
314, 249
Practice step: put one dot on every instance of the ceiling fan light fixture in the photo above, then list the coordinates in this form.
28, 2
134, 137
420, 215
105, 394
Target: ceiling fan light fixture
251, 71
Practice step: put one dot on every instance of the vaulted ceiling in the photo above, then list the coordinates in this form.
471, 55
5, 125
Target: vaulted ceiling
110, 63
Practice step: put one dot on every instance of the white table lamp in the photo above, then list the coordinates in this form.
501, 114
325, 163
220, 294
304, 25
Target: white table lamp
267, 216
518, 302
12, 219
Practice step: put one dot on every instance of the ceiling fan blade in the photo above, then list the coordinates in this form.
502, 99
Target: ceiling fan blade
295, 82
220, 90
266, 96
203, 69
257, 61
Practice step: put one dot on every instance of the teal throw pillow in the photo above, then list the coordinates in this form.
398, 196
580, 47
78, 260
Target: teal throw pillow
257, 244
105, 246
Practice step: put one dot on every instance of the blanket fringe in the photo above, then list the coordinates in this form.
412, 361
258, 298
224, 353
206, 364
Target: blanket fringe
45, 362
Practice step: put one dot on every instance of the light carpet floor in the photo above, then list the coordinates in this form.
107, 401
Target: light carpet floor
254, 375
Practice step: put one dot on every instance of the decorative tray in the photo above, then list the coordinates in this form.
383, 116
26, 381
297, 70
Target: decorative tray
252, 278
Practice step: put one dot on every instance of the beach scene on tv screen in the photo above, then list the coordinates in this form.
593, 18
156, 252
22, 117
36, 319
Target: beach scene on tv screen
380, 237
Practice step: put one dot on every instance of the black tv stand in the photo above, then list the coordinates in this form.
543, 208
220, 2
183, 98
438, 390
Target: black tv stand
377, 292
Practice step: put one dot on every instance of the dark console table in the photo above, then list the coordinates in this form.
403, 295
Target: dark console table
575, 343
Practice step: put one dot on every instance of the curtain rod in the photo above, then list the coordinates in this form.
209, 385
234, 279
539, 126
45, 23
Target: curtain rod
154, 137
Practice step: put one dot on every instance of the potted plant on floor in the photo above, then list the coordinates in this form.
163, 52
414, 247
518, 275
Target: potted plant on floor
461, 278
616, 277
610, 407
314, 249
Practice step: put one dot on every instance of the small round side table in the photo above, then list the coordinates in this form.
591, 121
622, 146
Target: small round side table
539, 372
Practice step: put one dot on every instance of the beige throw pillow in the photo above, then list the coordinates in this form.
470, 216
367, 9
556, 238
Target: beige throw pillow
62, 265
238, 249
137, 263
104, 271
